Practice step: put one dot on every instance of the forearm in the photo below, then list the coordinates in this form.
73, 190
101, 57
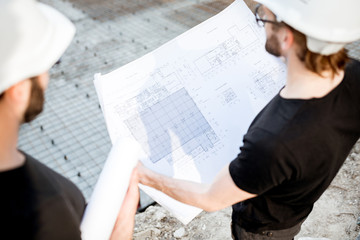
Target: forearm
221, 193
124, 225
187, 192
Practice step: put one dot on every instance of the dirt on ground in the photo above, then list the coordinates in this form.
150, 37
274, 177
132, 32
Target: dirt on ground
335, 214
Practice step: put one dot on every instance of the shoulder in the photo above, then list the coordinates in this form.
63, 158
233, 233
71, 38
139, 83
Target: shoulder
353, 66
51, 180
352, 83
352, 72
48, 182
266, 146
58, 204
263, 162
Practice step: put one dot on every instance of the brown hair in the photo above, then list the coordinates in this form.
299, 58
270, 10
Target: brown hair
316, 62
36, 102
1, 95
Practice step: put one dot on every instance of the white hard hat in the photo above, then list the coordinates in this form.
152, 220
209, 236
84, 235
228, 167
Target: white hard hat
33, 38
328, 24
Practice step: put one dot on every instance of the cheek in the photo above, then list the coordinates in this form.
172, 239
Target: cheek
268, 30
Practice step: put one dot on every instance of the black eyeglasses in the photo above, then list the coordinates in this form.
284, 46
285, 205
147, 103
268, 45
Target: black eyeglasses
259, 14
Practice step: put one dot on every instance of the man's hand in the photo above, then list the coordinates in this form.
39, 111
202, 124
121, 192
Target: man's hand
124, 225
148, 177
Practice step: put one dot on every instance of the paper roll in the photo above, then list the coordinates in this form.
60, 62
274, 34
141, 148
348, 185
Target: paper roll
105, 203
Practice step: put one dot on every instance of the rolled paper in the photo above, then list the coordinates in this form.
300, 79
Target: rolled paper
110, 190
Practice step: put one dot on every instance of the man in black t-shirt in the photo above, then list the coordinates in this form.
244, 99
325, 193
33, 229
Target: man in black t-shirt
297, 143
36, 202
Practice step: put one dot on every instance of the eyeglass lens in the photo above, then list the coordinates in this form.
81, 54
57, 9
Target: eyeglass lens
260, 12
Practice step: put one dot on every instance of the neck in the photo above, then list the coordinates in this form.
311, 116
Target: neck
301, 83
10, 157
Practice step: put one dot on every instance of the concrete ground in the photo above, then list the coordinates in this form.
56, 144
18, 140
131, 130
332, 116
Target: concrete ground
71, 136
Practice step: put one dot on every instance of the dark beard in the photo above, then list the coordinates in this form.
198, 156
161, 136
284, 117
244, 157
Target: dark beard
272, 46
36, 102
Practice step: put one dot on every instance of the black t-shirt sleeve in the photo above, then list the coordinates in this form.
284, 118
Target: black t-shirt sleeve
262, 164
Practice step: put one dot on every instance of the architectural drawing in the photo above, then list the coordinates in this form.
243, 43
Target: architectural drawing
177, 113
237, 43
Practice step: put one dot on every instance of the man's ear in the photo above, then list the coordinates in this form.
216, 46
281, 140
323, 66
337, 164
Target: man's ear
286, 38
19, 93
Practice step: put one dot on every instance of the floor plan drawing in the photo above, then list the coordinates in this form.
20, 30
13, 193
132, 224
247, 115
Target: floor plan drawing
177, 113
239, 40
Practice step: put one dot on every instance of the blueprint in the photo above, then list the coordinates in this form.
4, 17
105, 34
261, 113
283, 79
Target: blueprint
189, 102
178, 113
